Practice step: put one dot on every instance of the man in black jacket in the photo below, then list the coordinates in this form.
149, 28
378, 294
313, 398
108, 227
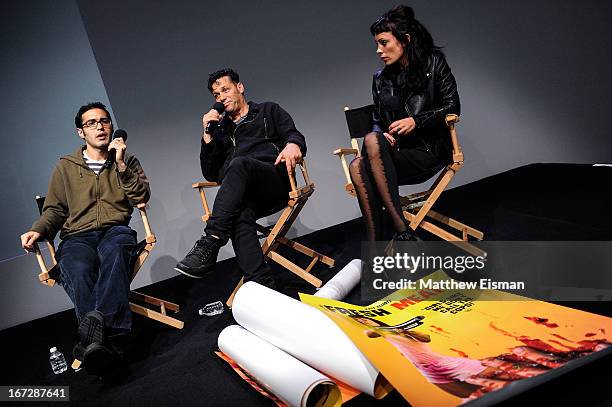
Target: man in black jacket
250, 150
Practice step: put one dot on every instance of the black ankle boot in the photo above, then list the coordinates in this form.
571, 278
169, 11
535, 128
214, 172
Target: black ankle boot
407, 235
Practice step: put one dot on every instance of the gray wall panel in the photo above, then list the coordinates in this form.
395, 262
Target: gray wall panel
48, 72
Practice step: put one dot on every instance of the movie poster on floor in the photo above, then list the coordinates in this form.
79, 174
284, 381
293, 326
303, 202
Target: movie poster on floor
445, 347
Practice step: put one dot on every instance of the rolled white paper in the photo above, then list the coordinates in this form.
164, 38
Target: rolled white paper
343, 282
289, 379
305, 333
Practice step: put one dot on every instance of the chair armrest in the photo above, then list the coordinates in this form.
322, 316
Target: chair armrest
43, 276
339, 151
142, 209
205, 184
200, 186
451, 120
307, 188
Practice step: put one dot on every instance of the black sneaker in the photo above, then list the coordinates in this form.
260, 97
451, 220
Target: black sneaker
201, 259
407, 235
91, 330
100, 360
120, 343
78, 352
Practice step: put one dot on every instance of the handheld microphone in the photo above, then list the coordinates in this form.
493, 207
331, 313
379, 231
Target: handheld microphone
214, 124
119, 133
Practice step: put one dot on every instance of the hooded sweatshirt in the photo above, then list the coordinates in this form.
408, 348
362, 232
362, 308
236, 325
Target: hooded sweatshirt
78, 200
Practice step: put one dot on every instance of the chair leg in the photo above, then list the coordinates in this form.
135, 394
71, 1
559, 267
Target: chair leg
307, 251
160, 315
230, 300
449, 237
441, 184
276, 236
455, 224
277, 230
294, 268
284, 223
136, 296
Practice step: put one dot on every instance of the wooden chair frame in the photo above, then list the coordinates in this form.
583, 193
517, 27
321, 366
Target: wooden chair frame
275, 235
416, 207
135, 297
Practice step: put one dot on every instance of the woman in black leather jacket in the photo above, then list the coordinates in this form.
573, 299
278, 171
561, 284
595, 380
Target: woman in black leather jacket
409, 142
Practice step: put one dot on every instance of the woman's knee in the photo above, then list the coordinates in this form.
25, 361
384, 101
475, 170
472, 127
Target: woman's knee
372, 140
355, 167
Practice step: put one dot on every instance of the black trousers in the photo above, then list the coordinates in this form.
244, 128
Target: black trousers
251, 189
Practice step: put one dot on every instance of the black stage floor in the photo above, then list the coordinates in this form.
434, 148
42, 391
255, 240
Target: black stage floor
178, 368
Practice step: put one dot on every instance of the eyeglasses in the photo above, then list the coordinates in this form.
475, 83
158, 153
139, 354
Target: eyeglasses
92, 124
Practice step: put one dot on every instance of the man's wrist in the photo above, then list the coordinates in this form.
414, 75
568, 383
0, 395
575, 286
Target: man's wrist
206, 137
295, 144
121, 166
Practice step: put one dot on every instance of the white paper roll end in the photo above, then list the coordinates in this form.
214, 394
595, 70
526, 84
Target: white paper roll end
343, 282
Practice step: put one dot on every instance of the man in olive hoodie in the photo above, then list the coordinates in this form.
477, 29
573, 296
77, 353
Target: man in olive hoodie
90, 200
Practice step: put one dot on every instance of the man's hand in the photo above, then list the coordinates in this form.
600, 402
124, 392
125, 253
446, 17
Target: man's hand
212, 115
119, 145
291, 155
28, 239
402, 127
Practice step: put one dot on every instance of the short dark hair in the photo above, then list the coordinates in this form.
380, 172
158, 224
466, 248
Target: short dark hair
233, 75
78, 119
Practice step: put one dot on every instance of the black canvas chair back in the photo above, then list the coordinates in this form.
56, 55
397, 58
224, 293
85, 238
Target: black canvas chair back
359, 121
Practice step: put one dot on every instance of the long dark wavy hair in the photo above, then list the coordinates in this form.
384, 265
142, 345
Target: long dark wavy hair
400, 21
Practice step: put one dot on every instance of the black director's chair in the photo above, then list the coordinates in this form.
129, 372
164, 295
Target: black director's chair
417, 207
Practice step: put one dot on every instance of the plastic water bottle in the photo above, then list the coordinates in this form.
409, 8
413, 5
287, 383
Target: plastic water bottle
214, 308
58, 361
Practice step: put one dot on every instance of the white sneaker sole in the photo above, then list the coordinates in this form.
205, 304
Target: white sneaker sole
187, 274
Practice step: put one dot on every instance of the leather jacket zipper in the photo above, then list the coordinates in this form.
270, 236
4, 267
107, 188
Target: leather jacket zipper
266, 135
265, 128
233, 136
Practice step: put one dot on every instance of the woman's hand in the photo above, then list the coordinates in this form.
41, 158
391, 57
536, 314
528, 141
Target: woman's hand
402, 127
390, 139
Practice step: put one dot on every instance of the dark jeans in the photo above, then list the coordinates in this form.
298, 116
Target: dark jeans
251, 189
95, 273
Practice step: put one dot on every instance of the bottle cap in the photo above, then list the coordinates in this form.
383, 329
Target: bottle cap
53, 349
